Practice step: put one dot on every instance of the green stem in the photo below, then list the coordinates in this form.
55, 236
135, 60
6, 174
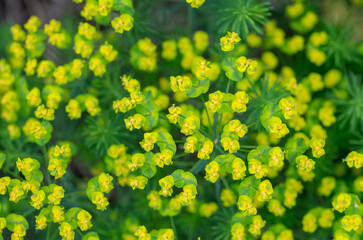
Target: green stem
220, 127
209, 121
248, 146
173, 226
205, 134
46, 162
163, 117
190, 235
180, 155
179, 141
112, 89
197, 165
244, 150
48, 231
252, 124
30, 211
220, 149
79, 232
76, 203
75, 193
182, 164
12, 174
228, 84
224, 181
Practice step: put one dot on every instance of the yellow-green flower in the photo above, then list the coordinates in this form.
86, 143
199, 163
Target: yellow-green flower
244, 64
228, 41
265, 191
354, 159
212, 171
342, 202
123, 23
166, 185
309, 223
351, 222
195, 3
246, 205
305, 163
288, 107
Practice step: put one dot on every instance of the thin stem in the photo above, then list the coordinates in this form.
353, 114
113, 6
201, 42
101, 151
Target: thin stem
224, 181
205, 134
48, 231
209, 121
252, 124
75, 193
180, 155
215, 125
220, 127
248, 146
79, 232
30, 211
12, 174
46, 162
112, 89
244, 150
197, 165
182, 164
228, 84
220, 149
173, 226
163, 117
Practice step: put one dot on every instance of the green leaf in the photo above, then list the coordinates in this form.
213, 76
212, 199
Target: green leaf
242, 16
47, 211
13, 219
242, 218
36, 175
102, 20
199, 87
226, 104
182, 178
148, 169
124, 6
261, 153
224, 162
154, 234
231, 72
249, 186
90, 235
167, 211
92, 186
269, 111
2, 159
295, 147
166, 141
71, 217
355, 207
150, 111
